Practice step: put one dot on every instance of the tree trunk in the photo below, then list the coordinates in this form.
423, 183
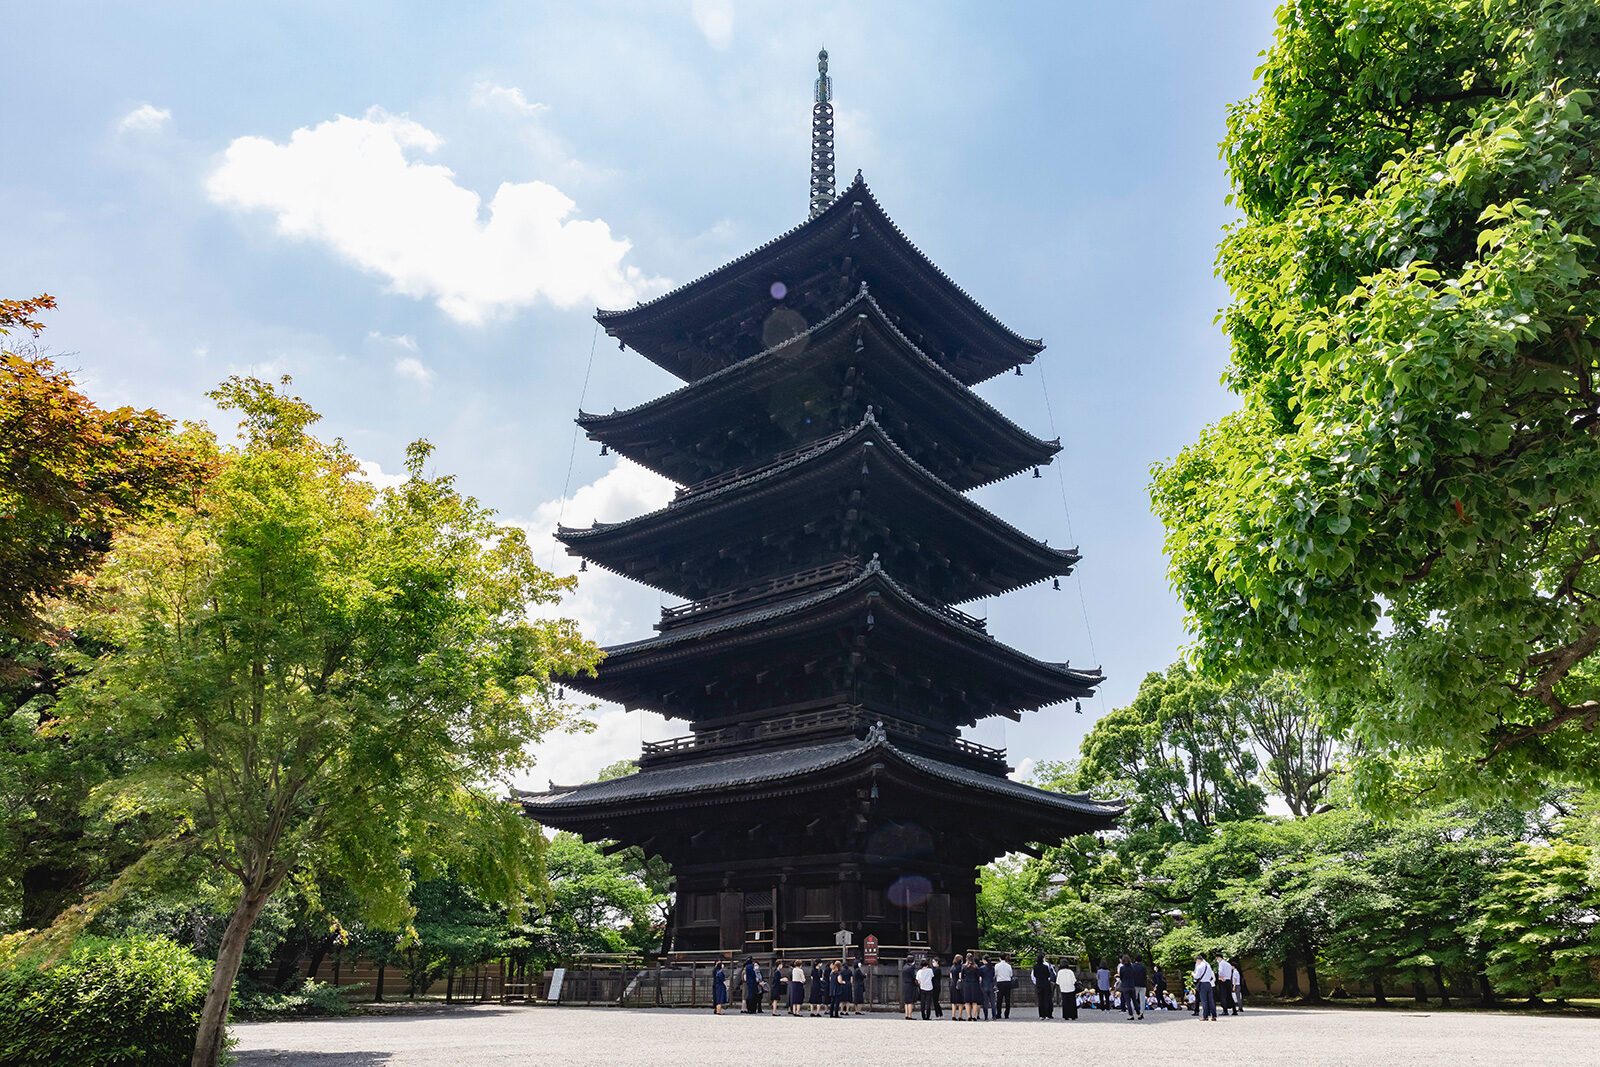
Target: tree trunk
1485, 990
213, 1030
1291, 976
377, 992
1313, 991
1444, 990
450, 983
319, 952
1378, 999
1419, 993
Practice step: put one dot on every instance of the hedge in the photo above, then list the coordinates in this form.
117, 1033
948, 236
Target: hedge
127, 1001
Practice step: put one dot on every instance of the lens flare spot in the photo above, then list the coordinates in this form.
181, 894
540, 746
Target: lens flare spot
779, 290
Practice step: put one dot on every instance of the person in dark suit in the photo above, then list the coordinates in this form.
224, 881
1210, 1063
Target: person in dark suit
819, 987
909, 995
838, 988
988, 987
1044, 988
938, 994
858, 986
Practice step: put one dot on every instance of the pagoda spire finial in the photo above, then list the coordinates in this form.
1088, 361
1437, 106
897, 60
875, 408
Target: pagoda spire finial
822, 139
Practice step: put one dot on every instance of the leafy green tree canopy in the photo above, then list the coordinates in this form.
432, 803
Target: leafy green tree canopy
327, 679
1410, 480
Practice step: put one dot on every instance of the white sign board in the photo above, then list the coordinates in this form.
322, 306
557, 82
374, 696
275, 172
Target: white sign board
555, 984
843, 937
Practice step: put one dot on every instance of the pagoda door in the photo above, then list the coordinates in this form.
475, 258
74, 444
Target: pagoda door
760, 927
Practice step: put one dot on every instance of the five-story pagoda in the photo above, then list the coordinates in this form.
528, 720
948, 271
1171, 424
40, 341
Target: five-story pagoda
823, 441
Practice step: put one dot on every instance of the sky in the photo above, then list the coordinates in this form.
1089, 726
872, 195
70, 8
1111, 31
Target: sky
414, 209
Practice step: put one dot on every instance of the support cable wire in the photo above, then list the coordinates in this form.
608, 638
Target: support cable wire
1061, 483
572, 452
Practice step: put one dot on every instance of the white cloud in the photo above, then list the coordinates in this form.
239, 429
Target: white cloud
1024, 769
403, 340
146, 118
609, 609
349, 184
715, 19
411, 367
371, 472
505, 98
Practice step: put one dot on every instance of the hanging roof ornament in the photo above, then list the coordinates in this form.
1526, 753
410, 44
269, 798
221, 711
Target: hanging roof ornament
822, 191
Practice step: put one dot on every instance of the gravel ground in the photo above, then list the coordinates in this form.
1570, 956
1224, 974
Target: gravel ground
612, 1037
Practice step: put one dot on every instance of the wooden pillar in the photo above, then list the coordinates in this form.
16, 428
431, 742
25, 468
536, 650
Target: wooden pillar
939, 924
732, 915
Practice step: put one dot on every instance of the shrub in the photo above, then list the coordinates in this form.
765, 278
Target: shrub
312, 998
133, 1001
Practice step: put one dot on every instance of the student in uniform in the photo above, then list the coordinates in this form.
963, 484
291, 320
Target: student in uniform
1205, 989
838, 988
797, 988
971, 986
819, 988
908, 985
1067, 983
958, 1001
780, 986
719, 989
988, 985
1044, 988
1004, 982
858, 986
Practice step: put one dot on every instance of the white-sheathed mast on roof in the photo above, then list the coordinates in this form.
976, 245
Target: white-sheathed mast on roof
822, 139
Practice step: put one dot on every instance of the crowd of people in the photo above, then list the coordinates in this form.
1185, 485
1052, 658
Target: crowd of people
839, 986
981, 988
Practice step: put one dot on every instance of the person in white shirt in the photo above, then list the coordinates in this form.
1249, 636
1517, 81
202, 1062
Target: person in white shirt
925, 988
1004, 981
1067, 982
1226, 975
797, 988
1205, 989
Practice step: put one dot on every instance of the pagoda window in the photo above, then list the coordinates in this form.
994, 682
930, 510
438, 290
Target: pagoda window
819, 902
874, 903
703, 909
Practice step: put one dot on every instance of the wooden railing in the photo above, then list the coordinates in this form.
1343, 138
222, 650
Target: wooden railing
828, 719
848, 567
744, 472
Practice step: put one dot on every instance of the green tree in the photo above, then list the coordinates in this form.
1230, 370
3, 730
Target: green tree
331, 680
1291, 731
71, 475
1176, 755
1409, 481
599, 901
1540, 920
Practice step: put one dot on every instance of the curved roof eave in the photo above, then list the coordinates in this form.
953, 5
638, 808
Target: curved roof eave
857, 189
869, 423
594, 423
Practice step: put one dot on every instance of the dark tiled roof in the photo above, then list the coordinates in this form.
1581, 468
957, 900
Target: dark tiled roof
857, 189
709, 382
770, 767
688, 505
872, 573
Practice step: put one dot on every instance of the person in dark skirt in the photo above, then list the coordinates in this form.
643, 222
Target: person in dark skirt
780, 986
719, 988
819, 988
958, 1000
908, 985
971, 987
858, 986
838, 989
797, 988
